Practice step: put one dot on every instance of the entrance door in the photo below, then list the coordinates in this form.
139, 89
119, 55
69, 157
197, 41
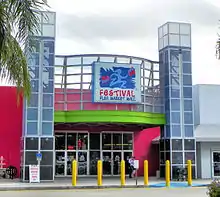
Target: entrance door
216, 164
111, 162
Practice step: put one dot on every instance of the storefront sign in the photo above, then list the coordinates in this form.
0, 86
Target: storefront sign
116, 83
34, 173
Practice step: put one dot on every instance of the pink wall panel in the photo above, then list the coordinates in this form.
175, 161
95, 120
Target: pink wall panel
145, 150
11, 126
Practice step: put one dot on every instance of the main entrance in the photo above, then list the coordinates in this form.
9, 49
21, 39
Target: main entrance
88, 148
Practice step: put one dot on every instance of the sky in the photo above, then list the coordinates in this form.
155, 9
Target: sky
130, 27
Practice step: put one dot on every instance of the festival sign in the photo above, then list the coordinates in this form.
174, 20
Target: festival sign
116, 83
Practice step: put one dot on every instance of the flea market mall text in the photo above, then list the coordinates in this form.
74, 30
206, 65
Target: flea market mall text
117, 95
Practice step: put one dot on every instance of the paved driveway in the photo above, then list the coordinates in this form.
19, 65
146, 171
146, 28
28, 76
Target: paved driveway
183, 192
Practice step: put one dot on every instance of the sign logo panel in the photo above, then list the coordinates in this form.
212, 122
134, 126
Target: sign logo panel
116, 83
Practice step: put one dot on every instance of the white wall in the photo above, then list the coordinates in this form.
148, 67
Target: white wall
205, 158
206, 104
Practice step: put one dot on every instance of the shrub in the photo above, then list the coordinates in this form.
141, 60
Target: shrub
214, 189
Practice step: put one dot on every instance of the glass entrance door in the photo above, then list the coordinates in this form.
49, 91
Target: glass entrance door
216, 163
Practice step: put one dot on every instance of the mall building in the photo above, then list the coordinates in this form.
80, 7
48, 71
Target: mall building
110, 107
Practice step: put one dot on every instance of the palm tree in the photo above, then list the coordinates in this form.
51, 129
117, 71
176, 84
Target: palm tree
18, 19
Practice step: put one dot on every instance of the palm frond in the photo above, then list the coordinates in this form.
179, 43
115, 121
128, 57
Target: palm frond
18, 20
14, 62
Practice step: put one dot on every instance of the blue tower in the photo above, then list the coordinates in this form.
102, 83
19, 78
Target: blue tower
177, 142
38, 117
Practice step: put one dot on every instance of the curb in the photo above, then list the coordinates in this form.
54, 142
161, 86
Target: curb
93, 187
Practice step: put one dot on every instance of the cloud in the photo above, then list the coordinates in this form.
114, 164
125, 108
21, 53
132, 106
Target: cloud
130, 27
140, 22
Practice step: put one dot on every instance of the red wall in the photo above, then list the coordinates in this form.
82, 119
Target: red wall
10, 126
11, 129
145, 150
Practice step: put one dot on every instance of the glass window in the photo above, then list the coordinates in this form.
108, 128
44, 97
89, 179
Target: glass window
187, 80
30, 158
35, 45
48, 114
94, 157
176, 131
187, 92
175, 104
185, 40
94, 141
127, 141
47, 158
187, 68
32, 128
34, 60
177, 157
106, 141
48, 88
46, 143
174, 28
174, 40
46, 173
177, 144
188, 130
188, 105
34, 100
175, 92
31, 143
188, 117
71, 141
34, 72
189, 144
190, 156
174, 69
50, 46
48, 73
47, 128
48, 30
48, 61
32, 114
175, 117
186, 56
117, 141
60, 141
175, 79
82, 141
34, 85
185, 29
47, 100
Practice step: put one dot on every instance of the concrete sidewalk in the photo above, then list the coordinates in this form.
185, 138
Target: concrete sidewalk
91, 183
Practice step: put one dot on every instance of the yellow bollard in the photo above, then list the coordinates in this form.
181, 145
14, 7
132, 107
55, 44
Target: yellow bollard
189, 170
146, 173
99, 173
122, 173
74, 172
167, 175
